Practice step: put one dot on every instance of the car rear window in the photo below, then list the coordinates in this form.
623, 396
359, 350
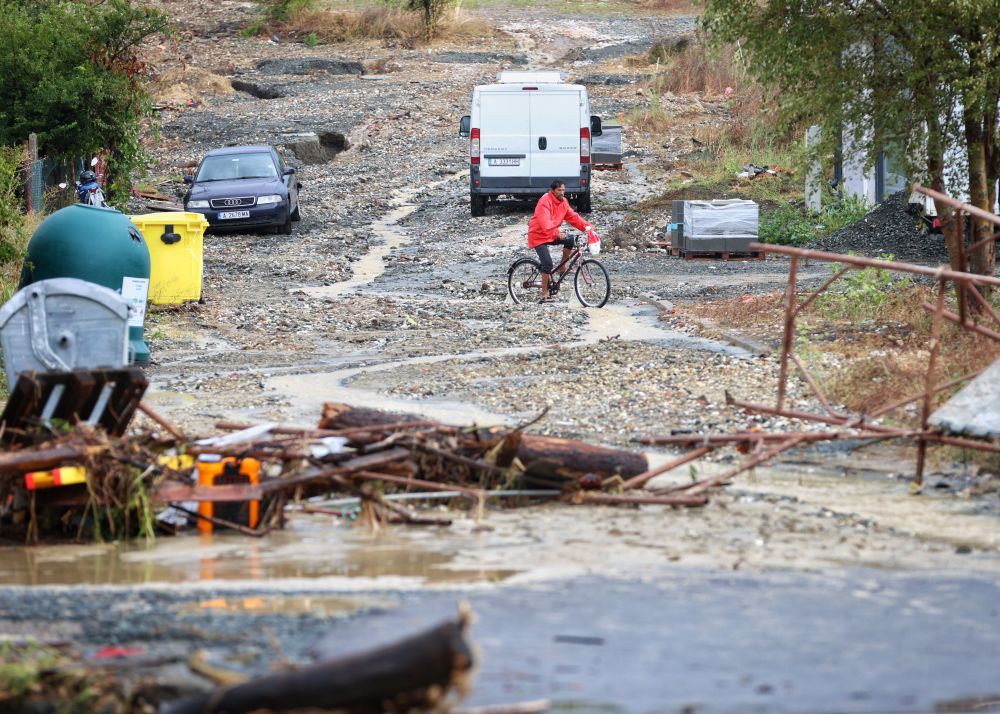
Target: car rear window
221, 168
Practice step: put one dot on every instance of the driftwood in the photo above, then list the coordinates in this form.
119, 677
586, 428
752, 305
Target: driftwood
415, 672
576, 456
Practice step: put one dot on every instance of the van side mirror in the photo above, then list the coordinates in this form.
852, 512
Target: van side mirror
595, 126
464, 127
188, 178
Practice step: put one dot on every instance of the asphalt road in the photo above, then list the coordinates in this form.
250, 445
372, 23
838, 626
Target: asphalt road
681, 641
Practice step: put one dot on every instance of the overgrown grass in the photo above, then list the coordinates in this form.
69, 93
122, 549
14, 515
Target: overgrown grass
866, 342
314, 22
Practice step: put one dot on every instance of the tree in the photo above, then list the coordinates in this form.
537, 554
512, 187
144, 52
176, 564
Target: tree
71, 72
921, 77
432, 11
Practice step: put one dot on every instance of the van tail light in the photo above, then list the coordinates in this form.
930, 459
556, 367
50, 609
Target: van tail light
474, 146
584, 145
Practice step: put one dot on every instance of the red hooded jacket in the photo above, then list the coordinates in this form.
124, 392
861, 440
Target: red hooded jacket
549, 215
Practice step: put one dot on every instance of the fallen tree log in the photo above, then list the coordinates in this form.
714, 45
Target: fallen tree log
572, 454
411, 674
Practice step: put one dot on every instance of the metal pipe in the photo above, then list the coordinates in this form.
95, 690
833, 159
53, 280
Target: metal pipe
857, 423
786, 342
925, 414
641, 479
839, 274
968, 208
903, 402
949, 315
985, 304
813, 386
856, 260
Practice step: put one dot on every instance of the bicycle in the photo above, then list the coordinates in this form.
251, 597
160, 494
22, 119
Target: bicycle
590, 280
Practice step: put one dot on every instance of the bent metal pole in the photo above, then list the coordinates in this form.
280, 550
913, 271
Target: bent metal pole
861, 262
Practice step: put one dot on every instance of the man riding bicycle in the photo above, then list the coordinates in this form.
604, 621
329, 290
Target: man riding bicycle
543, 230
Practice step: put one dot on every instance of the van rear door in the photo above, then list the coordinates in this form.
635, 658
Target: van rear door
504, 136
555, 135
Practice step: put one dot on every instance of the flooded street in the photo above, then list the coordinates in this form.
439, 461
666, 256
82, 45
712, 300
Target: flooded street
821, 583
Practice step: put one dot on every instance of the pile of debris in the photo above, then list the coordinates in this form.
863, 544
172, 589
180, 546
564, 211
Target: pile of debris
90, 482
890, 229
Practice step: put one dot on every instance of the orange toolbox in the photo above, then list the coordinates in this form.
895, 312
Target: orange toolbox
218, 471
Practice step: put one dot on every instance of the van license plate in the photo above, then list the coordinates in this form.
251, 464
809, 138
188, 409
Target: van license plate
223, 215
505, 162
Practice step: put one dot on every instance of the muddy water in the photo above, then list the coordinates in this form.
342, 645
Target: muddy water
313, 549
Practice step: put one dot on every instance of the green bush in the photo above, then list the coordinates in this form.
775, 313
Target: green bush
785, 225
789, 225
13, 232
71, 72
862, 293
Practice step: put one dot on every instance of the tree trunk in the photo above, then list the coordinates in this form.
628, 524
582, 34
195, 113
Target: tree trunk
945, 213
570, 454
983, 259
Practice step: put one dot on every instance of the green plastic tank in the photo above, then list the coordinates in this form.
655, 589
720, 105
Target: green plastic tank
99, 245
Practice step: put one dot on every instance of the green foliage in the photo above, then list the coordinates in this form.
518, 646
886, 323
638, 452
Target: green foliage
21, 667
921, 78
255, 27
71, 73
311, 40
284, 10
863, 294
12, 231
785, 225
788, 225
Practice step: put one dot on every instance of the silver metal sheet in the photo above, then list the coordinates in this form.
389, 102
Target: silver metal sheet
975, 409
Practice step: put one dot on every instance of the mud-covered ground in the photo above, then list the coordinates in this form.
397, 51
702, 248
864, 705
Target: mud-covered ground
389, 294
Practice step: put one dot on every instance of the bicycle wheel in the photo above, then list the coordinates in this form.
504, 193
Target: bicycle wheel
524, 280
591, 283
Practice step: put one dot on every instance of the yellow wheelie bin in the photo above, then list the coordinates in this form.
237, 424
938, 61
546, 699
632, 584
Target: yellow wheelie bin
175, 241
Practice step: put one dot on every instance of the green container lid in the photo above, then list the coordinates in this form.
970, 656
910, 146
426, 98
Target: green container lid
99, 245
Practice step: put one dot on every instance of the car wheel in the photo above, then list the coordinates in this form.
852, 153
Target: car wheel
286, 227
296, 216
477, 205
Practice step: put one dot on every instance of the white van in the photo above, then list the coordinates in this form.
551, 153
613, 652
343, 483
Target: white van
525, 131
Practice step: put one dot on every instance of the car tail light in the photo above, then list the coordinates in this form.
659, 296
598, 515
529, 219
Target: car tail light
474, 146
584, 145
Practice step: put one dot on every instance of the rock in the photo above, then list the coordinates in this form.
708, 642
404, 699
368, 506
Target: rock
310, 65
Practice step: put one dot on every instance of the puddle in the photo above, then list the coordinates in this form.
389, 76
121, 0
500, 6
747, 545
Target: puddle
372, 264
312, 548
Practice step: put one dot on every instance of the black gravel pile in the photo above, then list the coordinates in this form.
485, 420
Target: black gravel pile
888, 228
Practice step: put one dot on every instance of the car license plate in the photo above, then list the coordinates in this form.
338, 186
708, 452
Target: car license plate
223, 215
504, 162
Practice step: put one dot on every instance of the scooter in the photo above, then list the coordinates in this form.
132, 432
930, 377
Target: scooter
88, 191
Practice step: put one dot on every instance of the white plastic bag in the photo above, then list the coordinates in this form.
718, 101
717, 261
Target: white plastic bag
593, 243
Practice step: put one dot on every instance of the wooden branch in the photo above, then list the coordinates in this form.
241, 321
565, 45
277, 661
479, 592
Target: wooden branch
173, 430
41, 459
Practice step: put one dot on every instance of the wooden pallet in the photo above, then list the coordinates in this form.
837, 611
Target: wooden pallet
103, 397
717, 255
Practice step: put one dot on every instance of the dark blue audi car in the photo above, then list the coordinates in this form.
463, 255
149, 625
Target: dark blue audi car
241, 188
